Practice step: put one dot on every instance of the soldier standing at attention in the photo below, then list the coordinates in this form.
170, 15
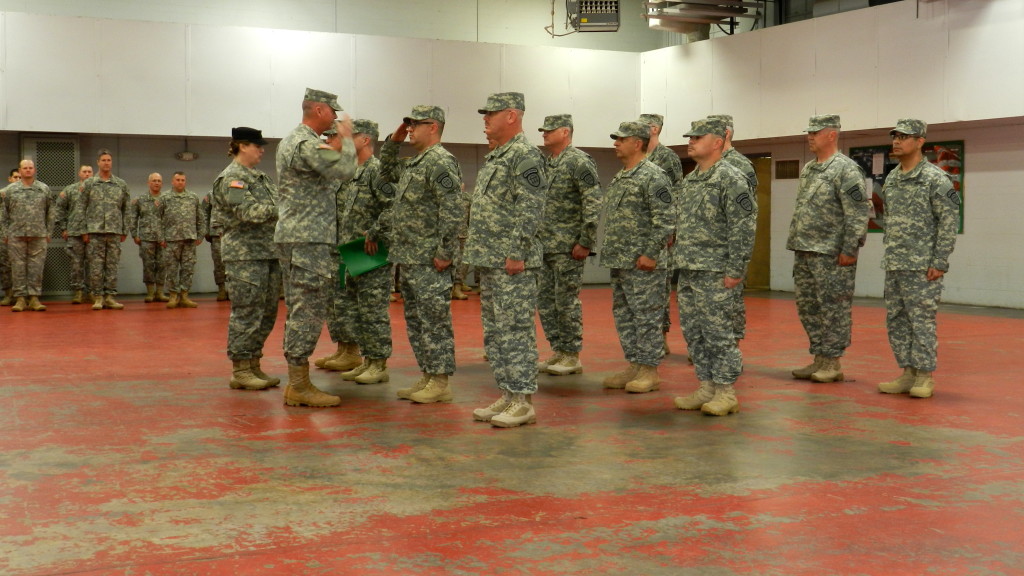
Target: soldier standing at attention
572, 209
306, 234
104, 201
182, 227
638, 214
504, 219
244, 209
922, 210
714, 243
144, 228
26, 218
422, 227
213, 237
826, 233
70, 224
5, 262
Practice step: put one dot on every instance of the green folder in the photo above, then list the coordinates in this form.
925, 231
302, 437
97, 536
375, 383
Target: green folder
356, 261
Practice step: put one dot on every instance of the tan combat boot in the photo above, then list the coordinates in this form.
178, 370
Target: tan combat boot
109, 302
723, 403
222, 293
254, 364
457, 293
35, 305
828, 371
97, 302
7, 300
924, 386
351, 374
19, 305
497, 407
542, 366
319, 363
569, 363
185, 302
466, 289
619, 380
243, 378
377, 373
172, 302
77, 298
406, 393
436, 390
805, 372
150, 293
646, 380
518, 412
901, 385
301, 392
701, 396
347, 360
160, 295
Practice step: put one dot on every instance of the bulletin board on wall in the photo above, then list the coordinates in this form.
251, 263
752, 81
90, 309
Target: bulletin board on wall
877, 162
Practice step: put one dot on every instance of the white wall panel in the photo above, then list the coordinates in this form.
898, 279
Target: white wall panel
689, 90
654, 80
911, 70
985, 38
301, 60
788, 78
736, 81
845, 79
604, 91
464, 74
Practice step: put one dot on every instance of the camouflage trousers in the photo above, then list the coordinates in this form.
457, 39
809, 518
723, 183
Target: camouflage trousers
76, 255
6, 282
254, 286
638, 307
179, 265
428, 316
152, 255
218, 262
911, 302
507, 306
707, 312
28, 257
359, 312
104, 253
824, 301
558, 302
308, 271
740, 314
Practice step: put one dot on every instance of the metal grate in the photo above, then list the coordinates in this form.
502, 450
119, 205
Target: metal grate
56, 162
787, 169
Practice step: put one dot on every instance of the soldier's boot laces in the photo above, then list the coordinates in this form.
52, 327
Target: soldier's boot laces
406, 393
569, 363
646, 380
254, 364
347, 360
518, 412
805, 372
377, 373
924, 385
301, 392
496, 407
436, 390
900, 385
829, 371
619, 380
243, 378
351, 374
543, 365
723, 403
698, 398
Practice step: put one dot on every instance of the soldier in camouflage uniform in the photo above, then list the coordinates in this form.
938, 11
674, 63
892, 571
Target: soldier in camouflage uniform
306, 234
182, 227
638, 220
828, 228
714, 243
213, 237
144, 228
922, 211
70, 224
503, 243
26, 218
104, 201
5, 261
422, 229
572, 209
244, 210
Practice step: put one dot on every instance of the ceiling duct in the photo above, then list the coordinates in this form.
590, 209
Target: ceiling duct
682, 16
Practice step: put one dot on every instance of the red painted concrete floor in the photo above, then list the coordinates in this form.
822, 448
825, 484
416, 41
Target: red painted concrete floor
124, 452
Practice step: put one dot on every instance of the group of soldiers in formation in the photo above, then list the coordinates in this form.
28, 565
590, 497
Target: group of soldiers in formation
94, 216
527, 228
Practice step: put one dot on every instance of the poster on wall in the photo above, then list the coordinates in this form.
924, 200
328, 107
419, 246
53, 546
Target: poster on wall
877, 161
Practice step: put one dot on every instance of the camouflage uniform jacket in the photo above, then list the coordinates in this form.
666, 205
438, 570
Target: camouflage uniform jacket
68, 217
638, 214
245, 211
922, 214
181, 217
717, 221
308, 174
104, 204
507, 207
573, 204
740, 162
207, 207
831, 215
27, 211
361, 202
144, 218
424, 219
663, 157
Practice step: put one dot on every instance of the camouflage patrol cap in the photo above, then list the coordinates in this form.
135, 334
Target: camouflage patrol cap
823, 121
706, 126
323, 97
425, 112
332, 131
910, 126
368, 127
504, 101
727, 118
246, 134
656, 119
556, 121
632, 129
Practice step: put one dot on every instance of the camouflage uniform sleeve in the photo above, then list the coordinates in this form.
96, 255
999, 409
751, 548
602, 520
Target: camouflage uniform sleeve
945, 201
328, 162
125, 201
590, 186
663, 214
741, 218
82, 201
60, 212
856, 205
3, 215
391, 166
383, 193
160, 209
530, 186
51, 212
201, 229
241, 202
446, 181
132, 218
